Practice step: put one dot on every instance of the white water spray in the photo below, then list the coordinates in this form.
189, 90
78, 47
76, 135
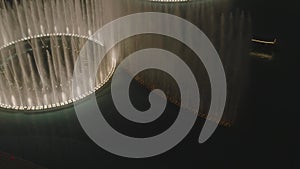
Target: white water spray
40, 41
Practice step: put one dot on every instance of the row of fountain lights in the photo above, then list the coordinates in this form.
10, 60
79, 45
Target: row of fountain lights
43, 107
49, 35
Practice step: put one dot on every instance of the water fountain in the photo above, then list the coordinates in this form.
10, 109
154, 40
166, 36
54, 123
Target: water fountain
39, 43
38, 55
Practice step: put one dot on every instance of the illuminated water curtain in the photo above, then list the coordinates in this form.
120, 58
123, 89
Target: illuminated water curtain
230, 33
40, 40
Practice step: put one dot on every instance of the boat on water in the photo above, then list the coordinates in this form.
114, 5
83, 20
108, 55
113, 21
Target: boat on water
263, 49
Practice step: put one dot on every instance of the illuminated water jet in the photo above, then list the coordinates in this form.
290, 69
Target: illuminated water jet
48, 31
40, 41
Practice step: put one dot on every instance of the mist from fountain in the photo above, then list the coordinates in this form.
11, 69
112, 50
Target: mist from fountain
228, 30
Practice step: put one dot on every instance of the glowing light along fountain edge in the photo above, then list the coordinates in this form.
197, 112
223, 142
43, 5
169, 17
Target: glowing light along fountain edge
67, 102
39, 44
